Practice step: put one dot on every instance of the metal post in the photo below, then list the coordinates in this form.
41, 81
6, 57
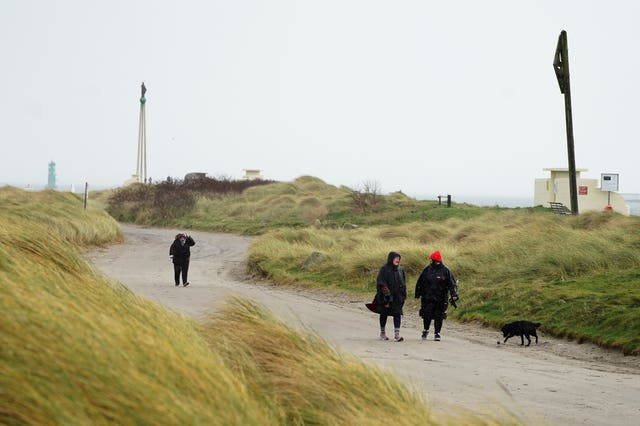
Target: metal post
561, 66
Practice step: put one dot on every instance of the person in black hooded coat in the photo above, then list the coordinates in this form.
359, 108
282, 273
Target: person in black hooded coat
391, 294
180, 252
435, 281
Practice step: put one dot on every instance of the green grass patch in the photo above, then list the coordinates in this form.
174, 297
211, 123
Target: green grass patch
307, 201
601, 308
576, 275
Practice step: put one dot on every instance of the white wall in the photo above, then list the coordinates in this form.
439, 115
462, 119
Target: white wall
557, 190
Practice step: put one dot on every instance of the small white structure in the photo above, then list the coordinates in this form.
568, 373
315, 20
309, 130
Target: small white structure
590, 197
251, 174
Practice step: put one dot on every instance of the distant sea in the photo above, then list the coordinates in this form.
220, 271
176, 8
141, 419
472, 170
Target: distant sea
634, 203
484, 201
633, 200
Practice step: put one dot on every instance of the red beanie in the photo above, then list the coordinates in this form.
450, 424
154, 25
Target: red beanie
436, 256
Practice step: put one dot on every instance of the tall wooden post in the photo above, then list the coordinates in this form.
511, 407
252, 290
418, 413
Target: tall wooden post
561, 67
86, 194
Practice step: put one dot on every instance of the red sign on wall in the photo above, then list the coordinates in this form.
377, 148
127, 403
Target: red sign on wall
583, 190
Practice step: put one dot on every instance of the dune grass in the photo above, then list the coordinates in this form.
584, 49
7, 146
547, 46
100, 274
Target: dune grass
579, 276
61, 212
99, 199
313, 383
76, 348
306, 201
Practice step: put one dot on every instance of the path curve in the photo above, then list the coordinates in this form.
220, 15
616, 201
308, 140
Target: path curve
557, 382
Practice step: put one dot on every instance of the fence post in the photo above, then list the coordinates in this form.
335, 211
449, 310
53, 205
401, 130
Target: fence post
86, 193
448, 200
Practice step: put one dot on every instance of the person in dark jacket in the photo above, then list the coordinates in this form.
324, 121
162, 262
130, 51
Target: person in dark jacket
435, 281
391, 294
180, 252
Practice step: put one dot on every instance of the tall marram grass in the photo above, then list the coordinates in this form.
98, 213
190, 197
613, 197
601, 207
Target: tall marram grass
76, 348
310, 382
579, 276
302, 202
307, 201
61, 212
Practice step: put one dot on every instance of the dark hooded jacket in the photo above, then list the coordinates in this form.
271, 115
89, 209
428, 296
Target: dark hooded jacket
181, 252
392, 278
433, 284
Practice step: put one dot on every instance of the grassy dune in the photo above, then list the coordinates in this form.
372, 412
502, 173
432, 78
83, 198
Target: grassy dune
307, 201
78, 349
579, 276
60, 212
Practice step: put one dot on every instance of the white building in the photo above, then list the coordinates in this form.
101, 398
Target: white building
555, 188
251, 174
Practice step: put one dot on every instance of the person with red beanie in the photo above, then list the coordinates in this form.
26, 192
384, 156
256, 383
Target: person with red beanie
435, 281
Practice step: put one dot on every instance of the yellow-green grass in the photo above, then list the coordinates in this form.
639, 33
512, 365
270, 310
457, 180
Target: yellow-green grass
307, 201
100, 198
312, 382
302, 202
579, 276
62, 212
76, 348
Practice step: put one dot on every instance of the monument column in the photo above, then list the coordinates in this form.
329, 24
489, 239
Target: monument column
141, 166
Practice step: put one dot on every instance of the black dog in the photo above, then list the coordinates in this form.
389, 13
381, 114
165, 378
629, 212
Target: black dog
522, 329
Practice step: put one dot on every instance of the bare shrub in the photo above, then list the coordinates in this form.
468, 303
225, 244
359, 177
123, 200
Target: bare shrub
170, 198
368, 197
221, 185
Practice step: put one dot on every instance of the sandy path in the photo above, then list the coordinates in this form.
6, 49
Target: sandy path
557, 382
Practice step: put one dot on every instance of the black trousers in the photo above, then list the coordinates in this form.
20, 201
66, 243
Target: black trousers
181, 268
433, 310
437, 323
397, 318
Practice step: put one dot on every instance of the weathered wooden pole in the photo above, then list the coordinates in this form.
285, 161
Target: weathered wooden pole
561, 67
86, 194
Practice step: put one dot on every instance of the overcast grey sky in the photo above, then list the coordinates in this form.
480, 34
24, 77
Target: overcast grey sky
427, 97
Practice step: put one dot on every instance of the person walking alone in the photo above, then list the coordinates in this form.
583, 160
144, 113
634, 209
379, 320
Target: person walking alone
180, 252
432, 287
391, 294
